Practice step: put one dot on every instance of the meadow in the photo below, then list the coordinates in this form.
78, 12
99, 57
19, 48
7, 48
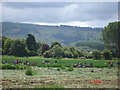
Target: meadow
60, 62
49, 77
57, 75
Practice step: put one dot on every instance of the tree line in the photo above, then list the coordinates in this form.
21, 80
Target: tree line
29, 47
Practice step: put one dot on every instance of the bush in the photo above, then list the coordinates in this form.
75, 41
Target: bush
58, 69
29, 71
67, 54
107, 54
10, 66
92, 70
32, 53
96, 54
70, 69
63, 67
48, 54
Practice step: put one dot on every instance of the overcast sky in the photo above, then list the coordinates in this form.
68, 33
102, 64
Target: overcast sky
92, 14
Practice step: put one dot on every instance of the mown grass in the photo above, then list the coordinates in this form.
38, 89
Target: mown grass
61, 62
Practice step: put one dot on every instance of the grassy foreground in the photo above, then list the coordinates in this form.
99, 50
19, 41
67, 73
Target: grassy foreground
52, 78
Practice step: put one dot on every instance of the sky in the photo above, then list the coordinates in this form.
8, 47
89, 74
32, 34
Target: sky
83, 14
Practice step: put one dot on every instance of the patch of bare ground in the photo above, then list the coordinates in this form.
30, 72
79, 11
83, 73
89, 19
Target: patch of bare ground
8, 83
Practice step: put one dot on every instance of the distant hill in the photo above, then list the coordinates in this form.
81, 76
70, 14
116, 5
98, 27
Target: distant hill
63, 33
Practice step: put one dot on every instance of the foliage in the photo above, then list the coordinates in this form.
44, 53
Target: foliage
67, 54
7, 47
31, 43
57, 51
55, 43
96, 54
90, 44
110, 37
29, 71
3, 38
63, 67
10, 66
70, 69
107, 54
32, 53
45, 47
58, 69
48, 54
18, 48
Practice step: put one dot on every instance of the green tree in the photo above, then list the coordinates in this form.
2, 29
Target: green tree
107, 54
67, 54
55, 43
45, 47
75, 54
57, 51
80, 53
96, 54
111, 37
18, 48
3, 38
48, 54
42, 47
31, 43
74, 51
7, 47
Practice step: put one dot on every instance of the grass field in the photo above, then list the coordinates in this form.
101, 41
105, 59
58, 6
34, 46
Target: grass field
47, 76
51, 77
61, 62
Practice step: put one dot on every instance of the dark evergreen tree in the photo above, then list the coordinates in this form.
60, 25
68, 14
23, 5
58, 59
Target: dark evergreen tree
31, 43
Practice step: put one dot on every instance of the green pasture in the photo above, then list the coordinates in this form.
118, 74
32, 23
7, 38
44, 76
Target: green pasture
61, 62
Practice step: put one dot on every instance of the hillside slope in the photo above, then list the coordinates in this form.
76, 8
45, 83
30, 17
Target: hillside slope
64, 34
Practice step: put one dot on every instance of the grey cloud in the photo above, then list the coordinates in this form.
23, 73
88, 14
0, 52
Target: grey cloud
22, 5
54, 12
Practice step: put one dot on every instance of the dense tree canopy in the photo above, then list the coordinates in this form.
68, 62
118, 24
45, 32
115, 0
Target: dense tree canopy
111, 36
18, 48
107, 54
96, 54
55, 43
7, 47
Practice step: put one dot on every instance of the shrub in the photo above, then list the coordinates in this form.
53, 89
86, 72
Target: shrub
48, 54
58, 69
29, 71
67, 54
107, 54
32, 53
96, 54
63, 67
8, 66
92, 70
70, 69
